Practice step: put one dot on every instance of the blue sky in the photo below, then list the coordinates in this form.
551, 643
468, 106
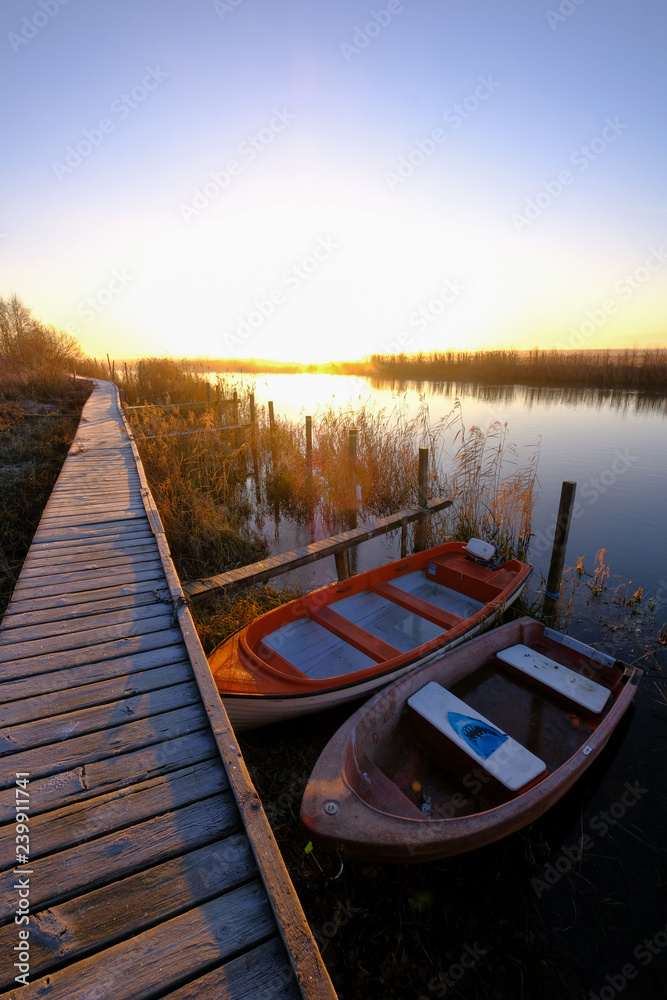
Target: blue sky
322, 180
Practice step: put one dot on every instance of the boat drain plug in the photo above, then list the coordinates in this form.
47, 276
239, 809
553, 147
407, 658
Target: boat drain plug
330, 808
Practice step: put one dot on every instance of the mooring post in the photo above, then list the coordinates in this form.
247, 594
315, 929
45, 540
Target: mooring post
343, 564
552, 591
352, 485
309, 438
272, 419
218, 396
253, 448
208, 392
422, 526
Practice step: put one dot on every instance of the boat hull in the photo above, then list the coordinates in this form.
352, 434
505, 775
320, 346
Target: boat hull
359, 800
262, 672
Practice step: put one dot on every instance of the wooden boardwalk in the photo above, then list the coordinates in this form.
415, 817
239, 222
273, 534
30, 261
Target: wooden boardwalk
152, 871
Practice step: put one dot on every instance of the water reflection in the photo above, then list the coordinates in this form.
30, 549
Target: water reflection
620, 400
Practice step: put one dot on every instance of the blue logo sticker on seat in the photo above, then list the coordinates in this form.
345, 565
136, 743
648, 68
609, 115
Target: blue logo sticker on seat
482, 738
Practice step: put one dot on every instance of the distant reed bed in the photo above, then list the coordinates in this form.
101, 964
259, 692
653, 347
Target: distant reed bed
627, 369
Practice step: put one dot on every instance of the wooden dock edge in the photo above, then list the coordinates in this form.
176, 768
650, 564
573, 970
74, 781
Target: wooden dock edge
309, 969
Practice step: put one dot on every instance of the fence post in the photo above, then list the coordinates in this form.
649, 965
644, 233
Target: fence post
552, 591
422, 526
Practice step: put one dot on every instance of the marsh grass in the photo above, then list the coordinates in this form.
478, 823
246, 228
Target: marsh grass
34, 440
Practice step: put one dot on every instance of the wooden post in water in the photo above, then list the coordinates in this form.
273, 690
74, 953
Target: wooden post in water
218, 396
253, 448
422, 526
552, 591
309, 438
274, 460
208, 392
343, 564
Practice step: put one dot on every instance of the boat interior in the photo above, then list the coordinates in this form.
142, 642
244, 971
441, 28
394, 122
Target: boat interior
456, 749
374, 619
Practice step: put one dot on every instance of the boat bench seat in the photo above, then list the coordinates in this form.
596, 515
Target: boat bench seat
584, 692
510, 763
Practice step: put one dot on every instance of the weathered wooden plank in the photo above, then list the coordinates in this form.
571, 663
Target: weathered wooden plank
98, 777
41, 732
32, 665
56, 533
84, 867
264, 570
15, 618
98, 919
27, 633
87, 674
87, 573
24, 602
261, 974
83, 750
81, 569
125, 535
173, 951
93, 519
93, 582
48, 705
85, 820
80, 639
87, 554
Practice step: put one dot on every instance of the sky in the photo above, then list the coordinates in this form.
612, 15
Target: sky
324, 180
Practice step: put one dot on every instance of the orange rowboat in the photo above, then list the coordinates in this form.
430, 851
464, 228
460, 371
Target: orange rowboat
468, 748
344, 641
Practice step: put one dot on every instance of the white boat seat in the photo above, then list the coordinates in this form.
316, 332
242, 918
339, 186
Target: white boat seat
507, 761
582, 691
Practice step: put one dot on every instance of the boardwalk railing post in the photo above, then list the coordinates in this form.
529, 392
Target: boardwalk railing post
422, 526
552, 591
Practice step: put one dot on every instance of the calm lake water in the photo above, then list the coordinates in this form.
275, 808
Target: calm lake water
612, 444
